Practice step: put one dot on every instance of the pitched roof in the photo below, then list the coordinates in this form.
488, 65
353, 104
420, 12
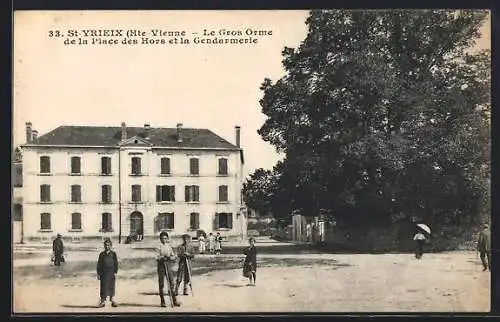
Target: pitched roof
111, 136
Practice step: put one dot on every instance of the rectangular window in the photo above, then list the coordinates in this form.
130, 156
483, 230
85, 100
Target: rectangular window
44, 164
136, 193
45, 193
45, 221
106, 165
106, 223
222, 166
75, 165
165, 193
76, 193
194, 221
194, 166
223, 194
164, 221
17, 176
192, 193
136, 166
165, 166
106, 193
223, 220
76, 221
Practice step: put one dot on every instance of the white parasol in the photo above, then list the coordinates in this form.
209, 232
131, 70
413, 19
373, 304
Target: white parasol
424, 228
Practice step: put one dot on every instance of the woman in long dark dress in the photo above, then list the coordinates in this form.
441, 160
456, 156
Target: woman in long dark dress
107, 267
250, 264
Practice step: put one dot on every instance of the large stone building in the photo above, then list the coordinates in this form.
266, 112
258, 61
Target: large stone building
87, 182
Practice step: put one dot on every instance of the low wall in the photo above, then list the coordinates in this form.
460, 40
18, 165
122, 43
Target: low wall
398, 238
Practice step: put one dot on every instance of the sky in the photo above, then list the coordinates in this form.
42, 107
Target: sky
200, 86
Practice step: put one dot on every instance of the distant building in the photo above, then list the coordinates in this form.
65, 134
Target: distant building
94, 181
17, 197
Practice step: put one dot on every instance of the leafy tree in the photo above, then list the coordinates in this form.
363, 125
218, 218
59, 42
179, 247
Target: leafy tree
383, 115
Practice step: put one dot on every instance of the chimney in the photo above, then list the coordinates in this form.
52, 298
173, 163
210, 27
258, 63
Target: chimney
179, 132
237, 128
29, 132
34, 135
147, 127
124, 131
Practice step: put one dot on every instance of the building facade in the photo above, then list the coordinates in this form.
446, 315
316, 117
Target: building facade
87, 182
17, 197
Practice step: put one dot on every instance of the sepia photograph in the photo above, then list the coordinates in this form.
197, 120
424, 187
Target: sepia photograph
258, 161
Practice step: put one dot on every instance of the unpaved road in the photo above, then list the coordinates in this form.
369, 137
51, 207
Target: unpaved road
446, 282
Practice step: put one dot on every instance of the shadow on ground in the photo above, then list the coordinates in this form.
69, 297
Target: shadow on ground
143, 268
79, 306
137, 305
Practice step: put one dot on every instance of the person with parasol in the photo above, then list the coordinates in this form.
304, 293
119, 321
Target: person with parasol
419, 238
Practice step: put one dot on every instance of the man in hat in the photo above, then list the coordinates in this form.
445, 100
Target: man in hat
58, 253
484, 247
165, 259
185, 252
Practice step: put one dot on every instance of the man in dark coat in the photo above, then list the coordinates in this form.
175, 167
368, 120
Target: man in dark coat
165, 257
185, 252
484, 247
58, 253
107, 267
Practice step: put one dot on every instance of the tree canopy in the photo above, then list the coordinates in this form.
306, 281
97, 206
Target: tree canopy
382, 115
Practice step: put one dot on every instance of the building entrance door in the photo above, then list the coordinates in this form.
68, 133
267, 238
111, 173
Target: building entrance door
137, 225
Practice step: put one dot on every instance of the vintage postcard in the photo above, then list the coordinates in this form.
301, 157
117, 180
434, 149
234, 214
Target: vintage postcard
251, 161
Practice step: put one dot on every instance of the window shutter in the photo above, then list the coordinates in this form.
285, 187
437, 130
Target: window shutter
109, 222
103, 166
230, 221
158, 193
47, 193
108, 162
172, 191
104, 193
196, 193
186, 194
109, 194
197, 221
171, 223
156, 223
216, 221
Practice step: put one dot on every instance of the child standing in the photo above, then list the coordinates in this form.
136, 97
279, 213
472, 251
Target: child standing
185, 252
107, 267
201, 241
218, 243
250, 264
211, 243
165, 258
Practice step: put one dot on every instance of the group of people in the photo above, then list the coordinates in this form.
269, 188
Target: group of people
483, 246
166, 257
214, 243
